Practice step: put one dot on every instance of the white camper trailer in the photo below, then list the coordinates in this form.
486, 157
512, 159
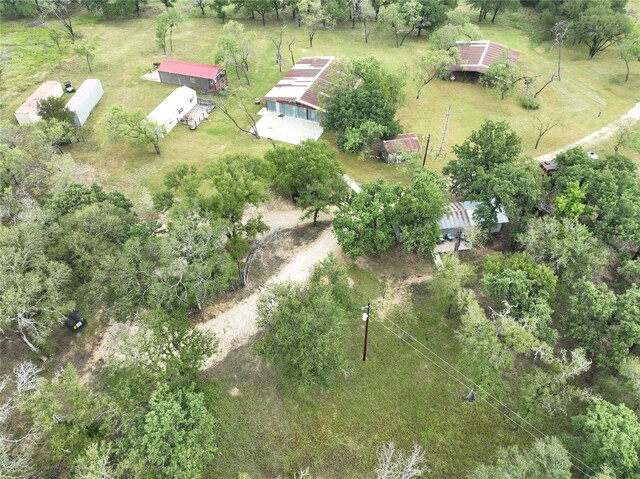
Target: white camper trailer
28, 111
85, 100
178, 104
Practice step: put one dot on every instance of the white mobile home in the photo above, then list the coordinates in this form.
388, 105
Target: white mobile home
85, 100
28, 111
178, 104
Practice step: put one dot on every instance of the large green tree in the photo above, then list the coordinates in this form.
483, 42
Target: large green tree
305, 326
34, 290
364, 222
566, 245
605, 324
525, 286
175, 438
418, 210
599, 27
309, 174
351, 107
488, 168
611, 437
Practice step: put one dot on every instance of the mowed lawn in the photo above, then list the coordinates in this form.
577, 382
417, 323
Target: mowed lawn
591, 93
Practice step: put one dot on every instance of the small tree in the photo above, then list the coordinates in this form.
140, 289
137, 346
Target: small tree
167, 21
86, 49
278, 44
55, 108
400, 18
543, 127
312, 15
394, 464
449, 283
308, 174
432, 64
629, 51
60, 10
135, 127
233, 48
241, 103
202, 4
502, 76
546, 459
368, 15
56, 37
560, 32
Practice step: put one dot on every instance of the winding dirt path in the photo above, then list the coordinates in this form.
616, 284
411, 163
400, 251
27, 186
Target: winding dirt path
604, 133
237, 325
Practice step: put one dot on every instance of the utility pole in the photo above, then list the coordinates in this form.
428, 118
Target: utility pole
365, 317
424, 160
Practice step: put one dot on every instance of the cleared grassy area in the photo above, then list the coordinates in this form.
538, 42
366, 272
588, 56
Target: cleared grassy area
127, 50
267, 428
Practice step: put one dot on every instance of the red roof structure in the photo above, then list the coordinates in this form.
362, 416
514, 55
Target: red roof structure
295, 85
477, 56
197, 70
405, 142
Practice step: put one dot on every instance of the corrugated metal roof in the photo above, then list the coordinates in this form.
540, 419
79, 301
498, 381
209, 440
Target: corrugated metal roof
191, 69
405, 142
295, 85
478, 55
85, 91
43, 91
461, 216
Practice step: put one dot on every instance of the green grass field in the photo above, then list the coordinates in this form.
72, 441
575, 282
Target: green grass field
127, 50
267, 427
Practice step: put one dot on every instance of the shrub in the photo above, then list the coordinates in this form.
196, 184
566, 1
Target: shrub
529, 103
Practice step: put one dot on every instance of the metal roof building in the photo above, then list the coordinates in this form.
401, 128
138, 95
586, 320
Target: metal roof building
396, 149
478, 55
179, 103
461, 217
206, 78
292, 96
85, 100
28, 111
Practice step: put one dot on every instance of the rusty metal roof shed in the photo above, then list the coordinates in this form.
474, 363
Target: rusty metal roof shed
405, 142
295, 85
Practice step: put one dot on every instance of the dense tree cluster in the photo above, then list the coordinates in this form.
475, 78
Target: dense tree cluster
372, 220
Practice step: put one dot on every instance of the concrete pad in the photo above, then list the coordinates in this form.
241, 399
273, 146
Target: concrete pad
449, 246
153, 75
287, 130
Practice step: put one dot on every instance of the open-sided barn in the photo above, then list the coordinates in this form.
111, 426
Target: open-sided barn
85, 100
478, 55
293, 95
28, 111
204, 78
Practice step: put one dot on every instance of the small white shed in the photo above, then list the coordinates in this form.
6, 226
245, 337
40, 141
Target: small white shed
180, 102
28, 111
85, 100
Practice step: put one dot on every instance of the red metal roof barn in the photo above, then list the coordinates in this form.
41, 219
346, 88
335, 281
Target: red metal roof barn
206, 78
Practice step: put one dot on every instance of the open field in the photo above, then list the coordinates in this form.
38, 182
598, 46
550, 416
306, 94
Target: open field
590, 95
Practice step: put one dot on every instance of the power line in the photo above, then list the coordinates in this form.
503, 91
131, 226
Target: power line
467, 387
